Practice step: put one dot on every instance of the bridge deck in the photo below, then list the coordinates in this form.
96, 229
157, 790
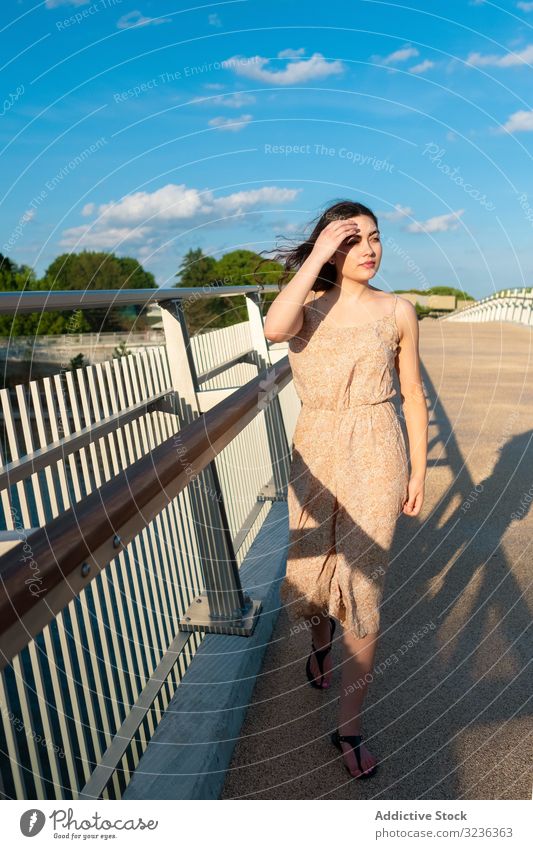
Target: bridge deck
451, 716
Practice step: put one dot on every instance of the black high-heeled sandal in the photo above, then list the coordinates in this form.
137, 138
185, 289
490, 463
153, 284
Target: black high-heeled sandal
320, 654
355, 742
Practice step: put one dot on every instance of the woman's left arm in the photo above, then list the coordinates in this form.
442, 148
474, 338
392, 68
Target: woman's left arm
413, 400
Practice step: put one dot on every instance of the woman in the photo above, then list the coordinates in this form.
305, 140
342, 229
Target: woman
349, 478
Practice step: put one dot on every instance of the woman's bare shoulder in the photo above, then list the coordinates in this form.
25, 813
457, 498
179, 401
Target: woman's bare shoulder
406, 318
406, 308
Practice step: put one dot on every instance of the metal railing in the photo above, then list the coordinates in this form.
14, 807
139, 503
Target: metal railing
130, 493
515, 305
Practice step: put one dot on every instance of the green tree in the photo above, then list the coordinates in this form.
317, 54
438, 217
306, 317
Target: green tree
77, 362
237, 268
197, 270
246, 268
438, 290
450, 290
88, 270
94, 270
121, 350
20, 278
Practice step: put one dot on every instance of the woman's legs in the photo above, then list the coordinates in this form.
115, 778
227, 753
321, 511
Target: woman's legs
321, 633
358, 663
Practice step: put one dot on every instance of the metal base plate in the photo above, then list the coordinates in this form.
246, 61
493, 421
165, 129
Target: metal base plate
197, 618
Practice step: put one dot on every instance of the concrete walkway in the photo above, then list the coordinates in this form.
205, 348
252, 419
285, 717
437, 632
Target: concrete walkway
450, 718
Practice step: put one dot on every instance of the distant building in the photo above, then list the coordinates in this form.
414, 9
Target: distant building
440, 303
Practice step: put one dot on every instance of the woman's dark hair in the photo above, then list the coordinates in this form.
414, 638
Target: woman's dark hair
294, 257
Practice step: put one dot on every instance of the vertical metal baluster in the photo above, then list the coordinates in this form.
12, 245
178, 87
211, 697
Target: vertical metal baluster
103, 577
127, 399
126, 450
147, 441
107, 730
35, 660
50, 649
110, 574
141, 677
74, 644
13, 752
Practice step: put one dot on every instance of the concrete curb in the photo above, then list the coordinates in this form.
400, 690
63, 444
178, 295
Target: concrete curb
191, 749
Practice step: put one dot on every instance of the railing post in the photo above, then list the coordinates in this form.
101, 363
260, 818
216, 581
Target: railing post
276, 429
256, 324
224, 607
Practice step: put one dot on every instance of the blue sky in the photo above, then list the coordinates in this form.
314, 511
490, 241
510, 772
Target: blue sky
148, 128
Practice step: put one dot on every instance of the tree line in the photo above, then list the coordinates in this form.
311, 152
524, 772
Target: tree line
97, 270
93, 270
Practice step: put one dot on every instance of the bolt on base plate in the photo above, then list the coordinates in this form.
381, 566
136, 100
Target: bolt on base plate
197, 618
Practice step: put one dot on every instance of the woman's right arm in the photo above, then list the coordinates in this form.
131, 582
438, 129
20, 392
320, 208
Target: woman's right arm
285, 315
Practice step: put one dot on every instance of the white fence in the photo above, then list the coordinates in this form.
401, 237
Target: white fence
515, 305
70, 692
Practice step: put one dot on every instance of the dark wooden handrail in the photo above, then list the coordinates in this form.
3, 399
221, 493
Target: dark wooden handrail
71, 549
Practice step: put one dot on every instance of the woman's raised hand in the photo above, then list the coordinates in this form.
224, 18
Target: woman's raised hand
332, 236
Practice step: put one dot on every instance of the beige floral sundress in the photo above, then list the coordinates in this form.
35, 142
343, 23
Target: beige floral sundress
349, 470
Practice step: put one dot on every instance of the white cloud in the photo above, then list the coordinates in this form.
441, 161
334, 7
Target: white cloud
288, 227
170, 203
214, 20
526, 7
401, 55
508, 60
53, 4
137, 19
143, 217
234, 125
291, 54
437, 224
519, 122
399, 212
88, 209
253, 197
232, 100
296, 70
101, 239
422, 66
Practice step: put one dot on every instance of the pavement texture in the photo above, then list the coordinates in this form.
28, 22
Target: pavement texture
450, 716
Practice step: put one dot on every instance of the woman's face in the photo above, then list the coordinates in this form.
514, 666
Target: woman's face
359, 257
